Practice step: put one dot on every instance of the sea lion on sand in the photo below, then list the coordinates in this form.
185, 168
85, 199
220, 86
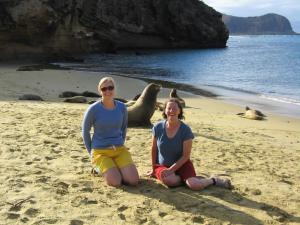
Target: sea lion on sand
173, 94
140, 113
252, 114
69, 94
158, 106
259, 113
76, 99
31, 97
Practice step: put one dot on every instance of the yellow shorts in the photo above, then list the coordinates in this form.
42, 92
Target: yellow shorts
107, 158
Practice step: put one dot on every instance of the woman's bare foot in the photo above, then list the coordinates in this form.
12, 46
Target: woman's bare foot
224, 183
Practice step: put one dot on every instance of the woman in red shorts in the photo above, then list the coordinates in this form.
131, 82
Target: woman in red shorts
171, 148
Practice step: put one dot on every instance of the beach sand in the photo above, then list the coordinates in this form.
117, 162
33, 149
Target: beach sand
45, 170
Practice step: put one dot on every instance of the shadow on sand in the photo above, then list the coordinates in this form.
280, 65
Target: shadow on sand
198, 203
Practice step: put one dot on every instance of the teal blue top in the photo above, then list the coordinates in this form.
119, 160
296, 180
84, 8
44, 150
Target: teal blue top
170, 150
109, 125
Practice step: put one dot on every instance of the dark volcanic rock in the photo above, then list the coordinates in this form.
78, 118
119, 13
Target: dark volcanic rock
59, 28
259, 25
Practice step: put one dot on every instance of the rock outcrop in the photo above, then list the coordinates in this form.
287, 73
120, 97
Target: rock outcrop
259, 25
67, 27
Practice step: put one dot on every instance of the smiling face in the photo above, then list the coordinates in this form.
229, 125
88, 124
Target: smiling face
172, 111
107, 89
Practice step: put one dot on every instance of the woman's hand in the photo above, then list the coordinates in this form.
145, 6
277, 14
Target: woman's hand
150, 173
166, 173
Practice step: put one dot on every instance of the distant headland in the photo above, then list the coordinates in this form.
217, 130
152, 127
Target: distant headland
269, 24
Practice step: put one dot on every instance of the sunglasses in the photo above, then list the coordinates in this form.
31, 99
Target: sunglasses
110, 88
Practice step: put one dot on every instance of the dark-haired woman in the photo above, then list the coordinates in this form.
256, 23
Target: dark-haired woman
171, 149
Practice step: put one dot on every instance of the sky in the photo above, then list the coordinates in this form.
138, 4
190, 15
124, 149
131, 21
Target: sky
244, 8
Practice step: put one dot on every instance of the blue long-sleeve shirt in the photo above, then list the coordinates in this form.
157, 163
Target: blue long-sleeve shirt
109, 125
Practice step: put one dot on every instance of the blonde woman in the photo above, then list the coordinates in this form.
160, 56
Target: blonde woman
106, 148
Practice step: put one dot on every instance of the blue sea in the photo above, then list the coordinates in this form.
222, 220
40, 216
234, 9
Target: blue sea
259, 71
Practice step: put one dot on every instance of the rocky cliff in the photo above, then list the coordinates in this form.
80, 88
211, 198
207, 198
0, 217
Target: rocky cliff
67, 27
260, 25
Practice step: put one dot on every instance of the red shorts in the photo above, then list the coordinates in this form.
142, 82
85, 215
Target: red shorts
186, 171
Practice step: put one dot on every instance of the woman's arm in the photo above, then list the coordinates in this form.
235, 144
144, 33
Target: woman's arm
125, 122
153, 155
153, 152
86, 129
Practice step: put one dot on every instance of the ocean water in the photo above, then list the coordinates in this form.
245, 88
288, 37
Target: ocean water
259, 71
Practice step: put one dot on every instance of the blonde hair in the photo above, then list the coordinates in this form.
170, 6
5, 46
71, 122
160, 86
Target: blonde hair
105, 79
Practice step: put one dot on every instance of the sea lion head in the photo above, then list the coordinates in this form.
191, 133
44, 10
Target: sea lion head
150, 92
140, 113
173, 93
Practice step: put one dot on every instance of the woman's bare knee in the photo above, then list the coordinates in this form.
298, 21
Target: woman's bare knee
171, 181
130, 175
113, 177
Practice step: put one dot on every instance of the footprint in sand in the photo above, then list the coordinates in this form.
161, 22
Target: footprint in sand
42, 179
122, 208
76, 222
49, 158
162, 214
61, 188
32, 212
198, 219
76, 202
87, 189
122, 216
24, 220
13, 216
85, 159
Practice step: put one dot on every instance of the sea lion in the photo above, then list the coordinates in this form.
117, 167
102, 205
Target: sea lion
259, 113
69, 94
173, 94
130, 103
136, 97
140, 113
31, 97
90, 94
76, 99
252, 114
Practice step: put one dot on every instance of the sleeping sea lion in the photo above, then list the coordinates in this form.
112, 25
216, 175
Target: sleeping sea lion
173, 94
259, 113
140, 113
252, 114
31, 97
76, 99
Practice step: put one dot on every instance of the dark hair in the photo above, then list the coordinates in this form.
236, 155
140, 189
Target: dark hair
180, 116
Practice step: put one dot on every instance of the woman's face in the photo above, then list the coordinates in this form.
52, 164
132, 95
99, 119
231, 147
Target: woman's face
107, 89
172, 110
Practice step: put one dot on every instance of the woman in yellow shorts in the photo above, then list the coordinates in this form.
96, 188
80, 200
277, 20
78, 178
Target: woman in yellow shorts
106, 148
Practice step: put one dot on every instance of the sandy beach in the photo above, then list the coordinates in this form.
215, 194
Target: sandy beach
45, 170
